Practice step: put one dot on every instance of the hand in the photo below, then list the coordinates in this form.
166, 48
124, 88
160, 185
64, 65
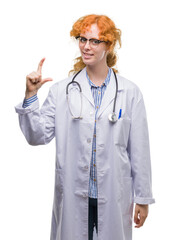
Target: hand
34, 81
141, 213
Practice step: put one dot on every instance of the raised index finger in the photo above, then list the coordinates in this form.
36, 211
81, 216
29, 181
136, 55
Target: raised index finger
40, 65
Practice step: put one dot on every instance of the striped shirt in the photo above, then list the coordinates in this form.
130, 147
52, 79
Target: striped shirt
98, 93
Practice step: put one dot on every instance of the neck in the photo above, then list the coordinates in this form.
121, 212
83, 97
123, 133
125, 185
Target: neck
97, 74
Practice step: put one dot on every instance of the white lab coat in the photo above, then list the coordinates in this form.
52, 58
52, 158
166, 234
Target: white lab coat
122, 156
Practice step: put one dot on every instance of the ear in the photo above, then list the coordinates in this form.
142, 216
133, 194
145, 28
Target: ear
108, 50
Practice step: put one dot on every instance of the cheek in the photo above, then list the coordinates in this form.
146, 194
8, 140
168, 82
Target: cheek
101, 55
80, 47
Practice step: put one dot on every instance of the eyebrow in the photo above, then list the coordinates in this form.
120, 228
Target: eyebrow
90, 38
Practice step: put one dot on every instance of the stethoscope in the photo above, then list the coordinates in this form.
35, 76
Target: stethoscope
112, 116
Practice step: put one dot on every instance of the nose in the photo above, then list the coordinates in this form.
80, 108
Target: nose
87, 45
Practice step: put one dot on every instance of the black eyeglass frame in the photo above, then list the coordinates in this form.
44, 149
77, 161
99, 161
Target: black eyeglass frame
91, 39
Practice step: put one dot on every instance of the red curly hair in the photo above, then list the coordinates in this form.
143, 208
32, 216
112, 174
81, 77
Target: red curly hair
108, 32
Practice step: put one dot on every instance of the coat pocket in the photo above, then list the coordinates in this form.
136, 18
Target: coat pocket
121, 131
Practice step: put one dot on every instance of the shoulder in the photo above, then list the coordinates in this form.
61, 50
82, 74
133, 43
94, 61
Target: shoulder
60, 86
129, 87
127, 84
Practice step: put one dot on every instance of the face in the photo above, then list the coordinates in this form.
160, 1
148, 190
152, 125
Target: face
93, 55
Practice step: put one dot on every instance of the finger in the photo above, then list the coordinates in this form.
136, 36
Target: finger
34, 77
139, 224
136, 218
140, 221
40, 65
46, 80
34, 80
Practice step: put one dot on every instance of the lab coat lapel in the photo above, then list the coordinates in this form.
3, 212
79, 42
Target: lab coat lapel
86, 91
109, 94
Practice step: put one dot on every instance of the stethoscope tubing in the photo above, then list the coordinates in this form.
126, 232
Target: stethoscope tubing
73, 81
114, 105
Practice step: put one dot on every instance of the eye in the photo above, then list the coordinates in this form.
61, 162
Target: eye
83, 39
95, 41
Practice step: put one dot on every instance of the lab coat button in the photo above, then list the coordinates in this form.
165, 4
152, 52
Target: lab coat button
84, 195
89, 140
91, 113
86, 167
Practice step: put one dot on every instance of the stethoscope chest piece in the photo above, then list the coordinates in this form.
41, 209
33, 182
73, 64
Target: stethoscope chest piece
112, 117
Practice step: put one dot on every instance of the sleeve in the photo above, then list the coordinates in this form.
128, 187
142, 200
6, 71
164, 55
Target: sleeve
139, 152
38, 126
29, 101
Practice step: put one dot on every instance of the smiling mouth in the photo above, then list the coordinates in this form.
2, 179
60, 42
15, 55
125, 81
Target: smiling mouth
87, 54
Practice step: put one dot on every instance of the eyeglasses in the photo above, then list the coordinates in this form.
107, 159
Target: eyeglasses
93, 42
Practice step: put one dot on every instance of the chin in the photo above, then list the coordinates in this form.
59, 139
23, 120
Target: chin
88, 62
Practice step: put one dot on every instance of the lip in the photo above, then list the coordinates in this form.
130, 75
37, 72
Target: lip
87, 55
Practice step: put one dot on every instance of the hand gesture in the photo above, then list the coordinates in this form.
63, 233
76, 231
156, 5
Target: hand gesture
34, 81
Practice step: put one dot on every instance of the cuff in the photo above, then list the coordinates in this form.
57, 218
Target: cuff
32, 107
140, 200
29, 101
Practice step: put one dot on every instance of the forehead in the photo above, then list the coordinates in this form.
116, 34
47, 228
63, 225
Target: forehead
92, 32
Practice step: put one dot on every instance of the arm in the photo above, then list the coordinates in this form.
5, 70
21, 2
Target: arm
37, 125
139, 152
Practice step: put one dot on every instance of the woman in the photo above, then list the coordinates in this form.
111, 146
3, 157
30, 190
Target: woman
102, 167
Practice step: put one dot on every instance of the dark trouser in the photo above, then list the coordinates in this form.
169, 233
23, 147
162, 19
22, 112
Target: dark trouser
92, 216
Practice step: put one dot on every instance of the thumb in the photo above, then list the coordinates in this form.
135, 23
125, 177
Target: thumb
46, 80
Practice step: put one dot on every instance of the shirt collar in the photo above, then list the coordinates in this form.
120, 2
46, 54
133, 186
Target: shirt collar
106, 82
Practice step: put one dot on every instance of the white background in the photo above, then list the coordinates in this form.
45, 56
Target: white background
31, 30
